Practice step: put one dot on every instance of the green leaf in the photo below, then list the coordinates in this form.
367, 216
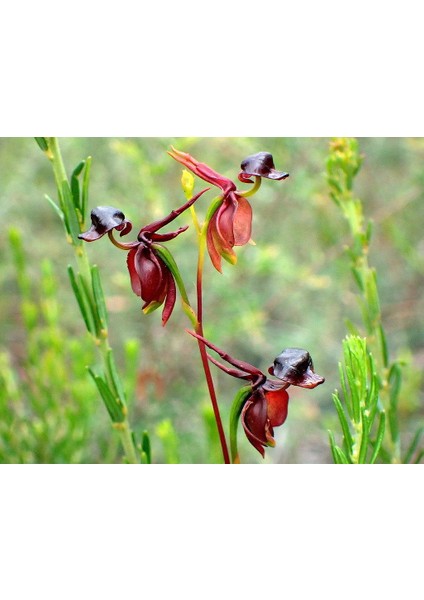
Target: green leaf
362, 458
395, 382
413, 446
99, 298
379, 438
339, 456
83, 303
114, 379
42, 142
343, 422
236, 408
70, 212
85, 183
57, 209
75, 187
372, 299
113, 408
384, 348
146, 447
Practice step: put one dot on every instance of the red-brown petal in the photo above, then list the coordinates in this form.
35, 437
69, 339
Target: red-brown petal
242, 222
225, 221
212, 239
171, 295
277, 403
150, 272
254, 420
135, 279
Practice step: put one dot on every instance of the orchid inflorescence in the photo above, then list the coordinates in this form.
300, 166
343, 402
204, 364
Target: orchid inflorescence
154, 277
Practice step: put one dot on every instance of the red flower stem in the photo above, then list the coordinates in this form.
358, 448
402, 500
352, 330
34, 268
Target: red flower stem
203, 352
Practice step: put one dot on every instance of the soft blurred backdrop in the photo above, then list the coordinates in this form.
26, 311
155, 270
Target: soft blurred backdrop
293, 288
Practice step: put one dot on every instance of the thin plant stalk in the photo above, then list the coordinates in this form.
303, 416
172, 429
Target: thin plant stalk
202, 348
101, 338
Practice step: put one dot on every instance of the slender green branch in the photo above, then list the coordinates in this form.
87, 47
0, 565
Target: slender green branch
87, 289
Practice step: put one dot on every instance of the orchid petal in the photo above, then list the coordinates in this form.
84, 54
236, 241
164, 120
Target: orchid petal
104, 219
260, 165
294, 366
242, 222
171, 295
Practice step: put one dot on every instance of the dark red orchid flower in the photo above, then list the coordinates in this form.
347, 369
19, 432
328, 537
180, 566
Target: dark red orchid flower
151, 278
266, 406
231, 223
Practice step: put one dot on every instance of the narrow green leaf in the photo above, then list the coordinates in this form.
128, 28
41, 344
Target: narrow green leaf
373, 388
99, 298
362, 458
75, 187
57, 209
236, 408
42, 142
419, 457
358, 276
342, 459
85, 184
384, 348
113, 408
368, 233
395, 382
346, 395
82, 301
146, 447
70, 212
114, 378
339, 456
379, 438
372, 299
343, 422
413, 445
333, 447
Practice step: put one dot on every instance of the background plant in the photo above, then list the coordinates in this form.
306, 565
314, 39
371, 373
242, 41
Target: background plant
299, 292
371, 382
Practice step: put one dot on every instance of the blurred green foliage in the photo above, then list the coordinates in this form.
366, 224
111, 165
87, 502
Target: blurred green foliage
293, 288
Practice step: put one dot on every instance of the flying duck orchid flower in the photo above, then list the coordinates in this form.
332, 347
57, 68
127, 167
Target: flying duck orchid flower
153, 272
263, 404
229, 220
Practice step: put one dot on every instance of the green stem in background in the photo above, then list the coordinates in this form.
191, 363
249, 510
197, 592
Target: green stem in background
343, 165
89, 294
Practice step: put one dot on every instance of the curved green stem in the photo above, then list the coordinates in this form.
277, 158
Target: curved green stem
253, 190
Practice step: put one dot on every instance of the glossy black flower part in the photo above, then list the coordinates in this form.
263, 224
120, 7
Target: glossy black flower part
151, 277
266, 406
295, 367
260, 165
103, 220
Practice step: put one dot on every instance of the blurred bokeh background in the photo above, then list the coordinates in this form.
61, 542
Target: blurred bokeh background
293, 288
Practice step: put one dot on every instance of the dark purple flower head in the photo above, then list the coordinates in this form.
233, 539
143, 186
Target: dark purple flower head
295, 367
260, 165
103, 220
